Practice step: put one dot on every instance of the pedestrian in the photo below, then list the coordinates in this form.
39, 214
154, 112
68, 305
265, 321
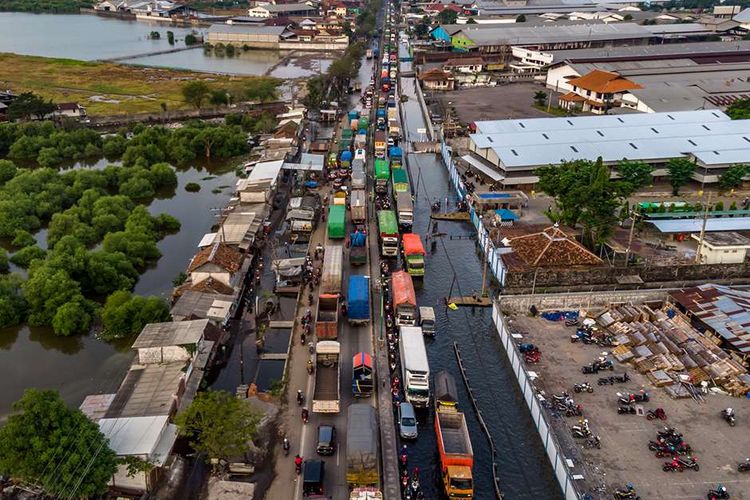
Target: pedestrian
286, 246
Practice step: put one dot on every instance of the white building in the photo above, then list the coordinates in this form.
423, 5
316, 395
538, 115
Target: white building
722, 247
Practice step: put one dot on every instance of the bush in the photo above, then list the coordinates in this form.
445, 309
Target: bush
137, 188
24, 256
125, 314
23, 239
167, 224
192, 187
4, 266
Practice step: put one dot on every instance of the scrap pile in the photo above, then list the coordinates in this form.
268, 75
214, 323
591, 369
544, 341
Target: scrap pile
664, 346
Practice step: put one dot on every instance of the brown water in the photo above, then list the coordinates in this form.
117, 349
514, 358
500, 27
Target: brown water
82, 365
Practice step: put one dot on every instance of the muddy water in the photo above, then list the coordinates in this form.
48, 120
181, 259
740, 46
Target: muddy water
81, 365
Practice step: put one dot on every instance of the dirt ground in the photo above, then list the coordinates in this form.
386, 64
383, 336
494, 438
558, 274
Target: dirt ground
494, 103
624, 456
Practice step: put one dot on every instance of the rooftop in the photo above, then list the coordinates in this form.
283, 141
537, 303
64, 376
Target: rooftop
724, 309
728, 239
551, 247
193, 304
246, 29
696, 225
152, 436
148, 390
221, 254
176, 333
544, 34
604, 82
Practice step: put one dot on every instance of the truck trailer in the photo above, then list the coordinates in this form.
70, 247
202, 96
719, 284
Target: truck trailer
404, 298
358, 311
413, 253
454, 442
326, 395
405, 209
336, 221
415, 369
362, 446
363, 381
358, 248
358, 204
326, 321
382, 175
388, 231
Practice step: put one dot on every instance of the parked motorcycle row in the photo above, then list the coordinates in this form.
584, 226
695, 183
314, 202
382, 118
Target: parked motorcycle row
531, 353
589, 334
601, 364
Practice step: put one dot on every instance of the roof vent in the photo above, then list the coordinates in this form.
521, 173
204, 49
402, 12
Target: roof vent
520, 124
489, 138
574, 148
545, 136
654, 130
600, 133
620, 120
706, 127
569, 122
514, 152
633, 145
692, 142
745, 137
670, 117
715, 114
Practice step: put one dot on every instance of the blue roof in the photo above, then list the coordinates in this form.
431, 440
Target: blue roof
490, 196
694, 225
506, 214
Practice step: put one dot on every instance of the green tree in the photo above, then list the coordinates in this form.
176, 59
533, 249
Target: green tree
680, 172
43, 434
12, 303
262, 89
447, 16
4, 266
114, 146
137, 188
195, 93
219, 97
47, 290
733, 176
125, 314
739, 109
107, 272
23, 239
422, 29
24, 256
170, 37
28, 105
540, 97
71, 318
218, 425
7, 171
521, 19
190, 39
637, 173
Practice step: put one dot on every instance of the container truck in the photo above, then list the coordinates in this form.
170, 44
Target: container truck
427, 320
359, 154
358, 310
363, 381
358, 248
405, 210
382, 175
330, 291
415, 370
413, 253
336, 221
394, 132
345, 160
395, 155
361, 446
400, 180
388, 231
380, 144
392, 114
359, 178
454, 443
404, 298
326, 396
358, 204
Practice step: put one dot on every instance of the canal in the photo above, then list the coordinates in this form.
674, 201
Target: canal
454, 267
81, 365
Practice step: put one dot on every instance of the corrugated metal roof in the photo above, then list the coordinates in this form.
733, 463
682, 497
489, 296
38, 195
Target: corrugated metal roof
528, 35
694, 225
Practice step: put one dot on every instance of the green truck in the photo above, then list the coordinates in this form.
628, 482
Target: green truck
400, 180
337, 222
382, 175
388, 231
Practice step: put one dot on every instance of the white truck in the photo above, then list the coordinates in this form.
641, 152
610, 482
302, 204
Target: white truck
405, 210
327, 395
415, 369
358, 204
359, 179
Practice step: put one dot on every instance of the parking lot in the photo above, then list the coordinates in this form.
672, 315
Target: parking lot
624, 456
493, 103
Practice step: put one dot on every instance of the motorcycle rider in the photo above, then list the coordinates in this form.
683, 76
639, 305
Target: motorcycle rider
298, 463
300, 397
305, 415
404, 457
309, 366
285, 444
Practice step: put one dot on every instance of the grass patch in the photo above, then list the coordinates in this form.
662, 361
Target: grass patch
555, 111
192, 187
138, 89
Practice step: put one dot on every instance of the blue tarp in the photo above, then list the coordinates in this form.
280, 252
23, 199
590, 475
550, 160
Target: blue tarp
560, 315
346, 156
353, 114
359, 298
311, 184
358, 239
506, 214
489, 196
395, 152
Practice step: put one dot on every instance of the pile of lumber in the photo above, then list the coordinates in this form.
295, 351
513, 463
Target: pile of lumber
663, 345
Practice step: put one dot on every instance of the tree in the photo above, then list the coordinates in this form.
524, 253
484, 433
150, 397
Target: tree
733, 176
540, 97
218, 424
28, 105
447, 16
125, 314
47, 290
739, 109
421, 29
24, 256
195, 92
680, 173
219, 97
584, 193
71, 318
12, 303
7, 171
262, 89
44, 442
521, 19
170, 37
23, 239
190, 39
637, 173
4, 266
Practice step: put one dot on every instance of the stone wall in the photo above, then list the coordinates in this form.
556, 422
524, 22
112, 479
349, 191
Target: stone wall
520, 304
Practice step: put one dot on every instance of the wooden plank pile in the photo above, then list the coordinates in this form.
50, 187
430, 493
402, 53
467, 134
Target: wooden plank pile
663, 345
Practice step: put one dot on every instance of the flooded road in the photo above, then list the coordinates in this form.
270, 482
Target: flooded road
453, 267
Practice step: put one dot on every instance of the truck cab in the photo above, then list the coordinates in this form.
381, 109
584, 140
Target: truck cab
427, 320
312, 479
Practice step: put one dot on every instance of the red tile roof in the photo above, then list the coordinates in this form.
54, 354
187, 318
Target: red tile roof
435, 74
604, 82
225, 256
552, 248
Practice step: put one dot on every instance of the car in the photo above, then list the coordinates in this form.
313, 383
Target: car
407, 421
326, 440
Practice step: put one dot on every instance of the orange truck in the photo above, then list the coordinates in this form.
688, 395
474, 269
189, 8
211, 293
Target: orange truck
454, 443
326, 319
404, 298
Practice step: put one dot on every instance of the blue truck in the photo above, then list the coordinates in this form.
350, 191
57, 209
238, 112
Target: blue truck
358, 311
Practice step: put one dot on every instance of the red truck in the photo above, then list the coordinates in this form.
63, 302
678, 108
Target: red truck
454, 443
326, 322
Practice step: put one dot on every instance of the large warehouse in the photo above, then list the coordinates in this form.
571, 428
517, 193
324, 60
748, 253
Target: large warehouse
514, 149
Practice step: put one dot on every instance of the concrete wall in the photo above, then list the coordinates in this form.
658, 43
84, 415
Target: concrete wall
314, 45
166, 354
549, 440
520, 304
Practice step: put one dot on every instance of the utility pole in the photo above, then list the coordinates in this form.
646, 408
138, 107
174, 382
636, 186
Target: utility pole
633, 216
703, 230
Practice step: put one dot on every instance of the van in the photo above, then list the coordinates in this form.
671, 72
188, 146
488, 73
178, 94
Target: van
326, 440
407, 421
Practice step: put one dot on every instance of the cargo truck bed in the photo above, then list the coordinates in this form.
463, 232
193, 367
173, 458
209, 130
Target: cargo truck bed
326, 382
454, 442
327, 316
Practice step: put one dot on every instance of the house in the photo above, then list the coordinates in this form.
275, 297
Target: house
726, 11
110, 5
437, 79
156, 10
722, 247
597, 92
170, 342
551, 247
464, 65
292, 9
216, 308
222, 262
70, 110
338, 9
744, 19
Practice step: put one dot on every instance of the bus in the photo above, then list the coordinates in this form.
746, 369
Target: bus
388, 231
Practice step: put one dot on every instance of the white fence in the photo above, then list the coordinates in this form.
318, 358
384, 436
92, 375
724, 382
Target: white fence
492, 254
549, 441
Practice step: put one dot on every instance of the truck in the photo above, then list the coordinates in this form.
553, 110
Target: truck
360, 140
454, 442
404, 299
366, 494
415, 369
358, 204
382, 175
394, 131
368, 54
380, 144
363, 381
388, 233
359, 179
326, 395
400, 180
336, 221
358, 310
405, 210
362, 455
313, 478
427, 320
358, 248
413, 253
326, 319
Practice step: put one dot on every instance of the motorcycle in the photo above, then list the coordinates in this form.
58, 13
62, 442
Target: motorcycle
626, 410
668, 433
584, 387
572, 322
285, 445
590, 368
744, 466
728, 415
622, 378
305, 415
679, 464
524, 348
298, 464
593, 442
626, 493
720, 492
300, 397
310, 367
657, 413
581, 430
